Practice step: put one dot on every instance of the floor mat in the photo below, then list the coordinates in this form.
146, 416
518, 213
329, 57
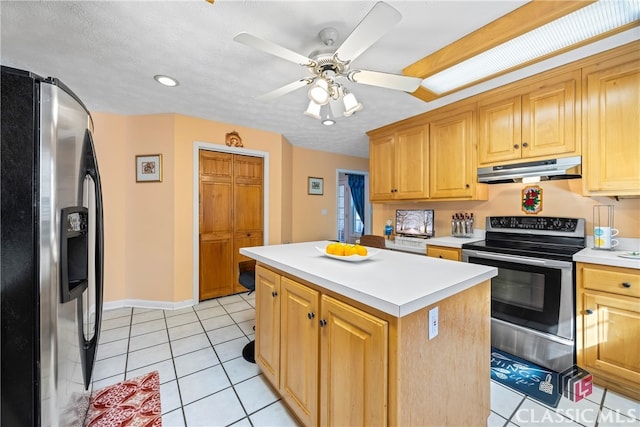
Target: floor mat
133, 402
539, 383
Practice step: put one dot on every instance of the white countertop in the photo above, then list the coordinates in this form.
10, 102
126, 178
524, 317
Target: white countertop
393, 282
598, 256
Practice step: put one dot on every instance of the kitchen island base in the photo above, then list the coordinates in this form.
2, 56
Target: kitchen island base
337, 361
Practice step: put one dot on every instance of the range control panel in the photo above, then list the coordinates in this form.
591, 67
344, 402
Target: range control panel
542, 223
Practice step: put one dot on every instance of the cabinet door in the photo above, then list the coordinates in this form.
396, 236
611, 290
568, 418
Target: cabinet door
452, 169
412, 163
500, 130
267, 349
299, 349
444, 252
381, 168
353, 366
612, 111
549, 120
611, 335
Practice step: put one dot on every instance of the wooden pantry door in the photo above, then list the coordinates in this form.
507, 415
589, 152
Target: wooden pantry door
230, 217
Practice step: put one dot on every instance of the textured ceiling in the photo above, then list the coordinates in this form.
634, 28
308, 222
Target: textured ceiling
107, 52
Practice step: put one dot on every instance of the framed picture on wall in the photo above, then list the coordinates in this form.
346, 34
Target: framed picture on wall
149, 168
316, 186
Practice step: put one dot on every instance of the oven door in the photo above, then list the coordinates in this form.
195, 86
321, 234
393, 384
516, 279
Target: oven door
532, 293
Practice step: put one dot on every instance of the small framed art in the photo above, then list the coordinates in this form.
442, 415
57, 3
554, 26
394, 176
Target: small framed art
316, 186
149, 168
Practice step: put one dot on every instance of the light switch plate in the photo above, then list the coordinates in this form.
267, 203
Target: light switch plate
433, 323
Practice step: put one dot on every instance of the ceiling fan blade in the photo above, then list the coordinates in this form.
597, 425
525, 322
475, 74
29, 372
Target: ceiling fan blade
373, 26
390, 81
272, 48
284, 90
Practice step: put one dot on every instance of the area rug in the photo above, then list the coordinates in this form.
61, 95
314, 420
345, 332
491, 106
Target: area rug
535, 381
133, 402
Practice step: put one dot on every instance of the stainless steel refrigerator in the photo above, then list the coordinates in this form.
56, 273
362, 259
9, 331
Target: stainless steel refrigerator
51, 252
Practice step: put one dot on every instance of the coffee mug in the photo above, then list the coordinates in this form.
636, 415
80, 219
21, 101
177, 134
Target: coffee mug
602, 237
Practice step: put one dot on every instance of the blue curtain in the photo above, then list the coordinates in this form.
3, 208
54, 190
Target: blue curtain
356, 185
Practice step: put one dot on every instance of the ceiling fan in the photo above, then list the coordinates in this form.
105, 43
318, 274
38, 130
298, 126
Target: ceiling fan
328, 65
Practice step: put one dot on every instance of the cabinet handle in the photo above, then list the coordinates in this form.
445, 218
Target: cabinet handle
525, 144
588, 311
248, 234
467, 186
274, 294
311, 315
439, 256
322, 323
516, 146
626, 284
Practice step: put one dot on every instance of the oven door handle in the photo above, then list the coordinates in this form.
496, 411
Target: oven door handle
518, 259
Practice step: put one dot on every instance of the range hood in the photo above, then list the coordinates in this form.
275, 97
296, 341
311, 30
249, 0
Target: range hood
563, 168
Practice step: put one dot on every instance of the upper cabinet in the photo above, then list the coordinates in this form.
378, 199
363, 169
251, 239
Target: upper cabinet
398, 164
612, 127
536, 122
452, 161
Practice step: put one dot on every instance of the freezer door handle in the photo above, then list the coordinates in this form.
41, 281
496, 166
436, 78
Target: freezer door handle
89, 167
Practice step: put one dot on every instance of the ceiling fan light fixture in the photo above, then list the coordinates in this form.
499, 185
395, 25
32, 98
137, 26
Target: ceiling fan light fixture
327, 117
313, 110
319, 92
351, 104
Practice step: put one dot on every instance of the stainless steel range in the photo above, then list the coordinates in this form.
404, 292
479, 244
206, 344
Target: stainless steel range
533, 295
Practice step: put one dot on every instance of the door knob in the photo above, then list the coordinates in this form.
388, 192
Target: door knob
274, 294
588, 311
525, 144
322, 323
311, 315
516, 146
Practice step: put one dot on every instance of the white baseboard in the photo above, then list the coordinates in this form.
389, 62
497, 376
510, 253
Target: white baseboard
162, 305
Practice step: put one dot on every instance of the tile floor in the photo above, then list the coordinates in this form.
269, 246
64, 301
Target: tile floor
206, 382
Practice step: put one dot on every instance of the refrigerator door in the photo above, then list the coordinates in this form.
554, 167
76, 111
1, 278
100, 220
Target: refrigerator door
68, 207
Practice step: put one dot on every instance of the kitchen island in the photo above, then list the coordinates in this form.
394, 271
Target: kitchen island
392, 340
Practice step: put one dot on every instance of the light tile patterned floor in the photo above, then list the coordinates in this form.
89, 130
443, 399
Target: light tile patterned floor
206, 382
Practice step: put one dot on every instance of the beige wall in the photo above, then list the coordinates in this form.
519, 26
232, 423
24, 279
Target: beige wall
560, 198
309, 222
149, 227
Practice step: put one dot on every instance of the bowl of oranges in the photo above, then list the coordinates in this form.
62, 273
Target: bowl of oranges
348, 252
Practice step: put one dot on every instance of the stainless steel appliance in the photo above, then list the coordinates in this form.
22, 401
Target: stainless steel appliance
51, 252
533, 295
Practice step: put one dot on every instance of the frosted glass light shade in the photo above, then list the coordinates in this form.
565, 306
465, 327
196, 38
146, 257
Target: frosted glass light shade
319, 92
313, 110
351, 104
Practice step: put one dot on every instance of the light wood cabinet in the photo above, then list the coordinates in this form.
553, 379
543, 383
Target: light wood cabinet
370, 367
612, 127
452, 160
314, 349
267, 347
353, 377
444, 252
299, 355
231, 216
543, 122
398, 164
608, 326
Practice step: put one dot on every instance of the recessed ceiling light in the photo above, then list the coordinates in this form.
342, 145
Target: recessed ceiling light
166, 80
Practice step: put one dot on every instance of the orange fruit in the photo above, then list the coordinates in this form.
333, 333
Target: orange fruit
339, 249
361, 250
350, 250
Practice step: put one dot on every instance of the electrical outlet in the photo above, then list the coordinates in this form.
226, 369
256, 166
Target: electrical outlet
433, 323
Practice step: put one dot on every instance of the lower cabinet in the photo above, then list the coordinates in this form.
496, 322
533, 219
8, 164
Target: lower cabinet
444, 252
608, 326
316, 350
